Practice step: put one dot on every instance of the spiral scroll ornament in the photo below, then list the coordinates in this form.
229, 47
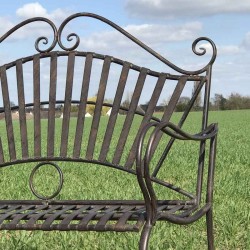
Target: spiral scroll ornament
38, 41
75, 38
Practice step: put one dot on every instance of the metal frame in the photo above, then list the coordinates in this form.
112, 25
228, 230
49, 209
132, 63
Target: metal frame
24, 214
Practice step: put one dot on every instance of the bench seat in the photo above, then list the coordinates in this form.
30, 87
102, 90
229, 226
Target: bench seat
100, 215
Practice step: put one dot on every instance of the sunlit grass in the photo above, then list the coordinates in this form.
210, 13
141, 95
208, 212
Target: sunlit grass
231, 196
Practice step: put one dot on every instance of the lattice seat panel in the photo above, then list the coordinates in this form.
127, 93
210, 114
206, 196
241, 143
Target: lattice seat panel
94, 217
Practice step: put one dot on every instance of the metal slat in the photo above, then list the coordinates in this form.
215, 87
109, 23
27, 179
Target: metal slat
191, 102
82, 105
52, 104
49, 221
1, 152
130, 115
65, 222
170, 107
34, 218
123, 221
8, 212
37, 115
88, 217
98, 107
126, 213
108, 214
67, 105
181, 122
22, 113
8, 115
114, 112
174, 99
26, 211
149, 113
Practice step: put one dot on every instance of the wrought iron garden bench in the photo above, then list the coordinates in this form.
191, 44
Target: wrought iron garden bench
134, 157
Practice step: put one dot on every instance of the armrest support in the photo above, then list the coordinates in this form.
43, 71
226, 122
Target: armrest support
143, 159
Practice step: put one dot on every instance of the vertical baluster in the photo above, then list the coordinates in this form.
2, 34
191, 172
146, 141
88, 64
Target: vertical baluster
52, 104
191, 102
8, 115
37, 115
181, 122
129, 117
82, 105
114, 111
1, 152
174, 99
171, 107
149, 113
22, 113
67, 104
98, 107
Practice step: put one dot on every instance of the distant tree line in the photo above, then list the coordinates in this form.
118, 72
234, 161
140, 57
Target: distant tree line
234, 101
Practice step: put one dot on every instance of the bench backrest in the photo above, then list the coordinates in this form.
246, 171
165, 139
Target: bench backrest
106, 141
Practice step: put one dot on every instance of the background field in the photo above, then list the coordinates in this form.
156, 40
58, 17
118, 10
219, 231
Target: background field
231, 197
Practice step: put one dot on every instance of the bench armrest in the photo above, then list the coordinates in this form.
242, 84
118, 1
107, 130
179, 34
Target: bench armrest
143, 159
176, 132
173, 131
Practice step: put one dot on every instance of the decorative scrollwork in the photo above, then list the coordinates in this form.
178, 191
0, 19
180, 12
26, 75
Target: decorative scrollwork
75, 37
135, 40
69, 38
31, 184
203, 51
43, 38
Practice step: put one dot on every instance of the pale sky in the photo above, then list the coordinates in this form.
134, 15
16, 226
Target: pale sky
168, 27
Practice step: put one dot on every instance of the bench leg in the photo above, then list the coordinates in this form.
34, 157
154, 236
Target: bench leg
210, 233
144, 240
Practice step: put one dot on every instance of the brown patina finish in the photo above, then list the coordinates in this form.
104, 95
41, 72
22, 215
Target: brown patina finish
47, 213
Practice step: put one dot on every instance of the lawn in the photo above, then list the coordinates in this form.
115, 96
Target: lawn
231, 196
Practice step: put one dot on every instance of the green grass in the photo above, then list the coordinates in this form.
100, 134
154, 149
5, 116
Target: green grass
231, 196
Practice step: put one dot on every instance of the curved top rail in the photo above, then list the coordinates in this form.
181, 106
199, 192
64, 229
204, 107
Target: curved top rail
58, 39
102, 57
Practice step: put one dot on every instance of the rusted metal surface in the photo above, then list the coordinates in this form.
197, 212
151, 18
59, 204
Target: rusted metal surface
52, 105
114, 112
83, 216
67, 104
7, 112
82, 105
21, 103
1, 152
98, 107
147, 117
130, 116
49, 214
37, 105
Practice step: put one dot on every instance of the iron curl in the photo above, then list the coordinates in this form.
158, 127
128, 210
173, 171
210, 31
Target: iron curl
45, 42
73, 37
137, 41
70, 37
39, 39
203, 51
